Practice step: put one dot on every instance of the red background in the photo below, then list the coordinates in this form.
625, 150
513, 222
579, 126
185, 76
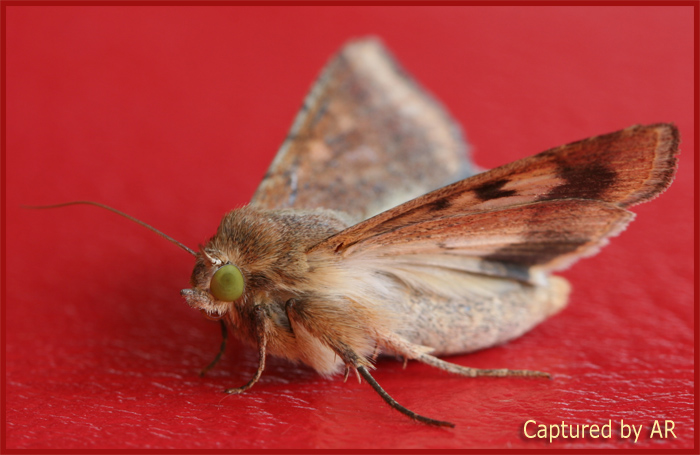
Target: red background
173, 114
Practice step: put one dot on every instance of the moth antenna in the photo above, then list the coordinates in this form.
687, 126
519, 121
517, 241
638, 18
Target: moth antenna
118, 212
394, 404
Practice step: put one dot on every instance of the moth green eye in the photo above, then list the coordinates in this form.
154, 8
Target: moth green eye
227, 283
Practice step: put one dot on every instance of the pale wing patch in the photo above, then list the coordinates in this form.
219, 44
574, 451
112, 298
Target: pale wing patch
471, 264
453, 283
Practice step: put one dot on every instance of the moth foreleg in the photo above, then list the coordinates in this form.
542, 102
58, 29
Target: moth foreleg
474, 372
224, 337
261, 328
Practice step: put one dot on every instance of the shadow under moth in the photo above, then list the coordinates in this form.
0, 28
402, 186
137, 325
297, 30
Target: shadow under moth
353, 246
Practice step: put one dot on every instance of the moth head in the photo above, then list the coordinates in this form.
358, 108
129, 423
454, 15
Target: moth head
217, 284
256, 256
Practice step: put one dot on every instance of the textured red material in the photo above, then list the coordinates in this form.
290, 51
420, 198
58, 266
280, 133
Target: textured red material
173, 114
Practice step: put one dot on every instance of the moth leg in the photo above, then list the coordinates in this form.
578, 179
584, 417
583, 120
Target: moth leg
224, 337
388, 398
474, 372
394, 404
261, 326
403, 347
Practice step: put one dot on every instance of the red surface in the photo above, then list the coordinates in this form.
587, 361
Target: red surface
174, 113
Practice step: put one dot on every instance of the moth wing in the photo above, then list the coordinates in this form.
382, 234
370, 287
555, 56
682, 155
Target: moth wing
622, 168
539, 213
366, 139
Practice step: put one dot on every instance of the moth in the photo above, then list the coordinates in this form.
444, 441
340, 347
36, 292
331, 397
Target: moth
372, 233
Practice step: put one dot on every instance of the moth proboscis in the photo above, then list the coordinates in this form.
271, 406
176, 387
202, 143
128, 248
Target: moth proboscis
329, 265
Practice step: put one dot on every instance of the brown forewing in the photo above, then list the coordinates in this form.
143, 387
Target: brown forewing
622, 168
366, 139
548, 234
